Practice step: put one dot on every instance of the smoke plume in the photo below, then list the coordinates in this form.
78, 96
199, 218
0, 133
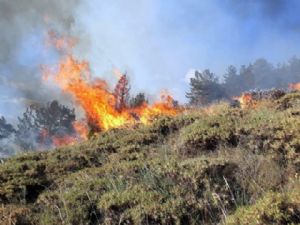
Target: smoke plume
24, 25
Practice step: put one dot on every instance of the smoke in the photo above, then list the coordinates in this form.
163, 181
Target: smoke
8, 147
22, 18
155, 42
158, 42
272, 10
24, 25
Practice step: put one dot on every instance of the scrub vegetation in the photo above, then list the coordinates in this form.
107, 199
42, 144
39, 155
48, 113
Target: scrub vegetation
215, 165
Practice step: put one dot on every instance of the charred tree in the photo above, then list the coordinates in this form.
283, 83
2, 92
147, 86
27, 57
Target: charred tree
138, 100
94, 128
121, 93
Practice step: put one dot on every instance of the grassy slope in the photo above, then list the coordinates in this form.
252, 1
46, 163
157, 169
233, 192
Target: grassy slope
217, 165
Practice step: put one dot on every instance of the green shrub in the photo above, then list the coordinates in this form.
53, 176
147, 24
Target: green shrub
273, 208
207, 134
195, 168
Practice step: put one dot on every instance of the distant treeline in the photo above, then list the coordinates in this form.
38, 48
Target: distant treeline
205, 87
40, 122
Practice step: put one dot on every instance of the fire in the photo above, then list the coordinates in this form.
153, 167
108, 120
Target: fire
81, 129
94, 96
80, 133
63, 140
245, 100
164, 106
295, 86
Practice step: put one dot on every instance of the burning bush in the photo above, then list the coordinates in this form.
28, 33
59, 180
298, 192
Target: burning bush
121, 93
105, 109
138, 100
42, 126
137, 175
250, 99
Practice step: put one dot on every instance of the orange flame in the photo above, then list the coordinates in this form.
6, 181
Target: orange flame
295, 86
73, 76
81, 132
81, 129
245, 100
63, 140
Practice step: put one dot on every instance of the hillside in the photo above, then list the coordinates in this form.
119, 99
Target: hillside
221, 164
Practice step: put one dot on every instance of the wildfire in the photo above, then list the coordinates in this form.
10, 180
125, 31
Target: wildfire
245, 100
93, 95
165, 106
63, 140
80, 133
81, 129
295, 86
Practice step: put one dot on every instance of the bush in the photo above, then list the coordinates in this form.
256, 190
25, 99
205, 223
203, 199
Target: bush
273, 208
207, 134
200, 167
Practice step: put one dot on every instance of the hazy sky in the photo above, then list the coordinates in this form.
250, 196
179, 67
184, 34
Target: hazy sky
156, 41
160, 41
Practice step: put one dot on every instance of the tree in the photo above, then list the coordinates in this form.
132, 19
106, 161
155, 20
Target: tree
40, 123
6, 129
246, 78
264, 74
138, 100
204, 89
27, 132
294, 68
231, 81
121, 93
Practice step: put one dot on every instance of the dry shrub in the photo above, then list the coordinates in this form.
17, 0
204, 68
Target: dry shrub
256, 174
13, 215
272, 208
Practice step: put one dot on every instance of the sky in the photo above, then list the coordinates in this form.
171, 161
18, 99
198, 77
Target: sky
158, 43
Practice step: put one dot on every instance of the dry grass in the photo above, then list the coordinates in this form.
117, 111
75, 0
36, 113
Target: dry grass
205, 167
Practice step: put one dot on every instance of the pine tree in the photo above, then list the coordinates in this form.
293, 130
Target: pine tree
6, 129
204, 89
231, 81
246, 78
137, 100
41, 122
121, 93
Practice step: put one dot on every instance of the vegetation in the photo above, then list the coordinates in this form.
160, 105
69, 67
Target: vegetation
40, 122
121, 92
261, 75
138, 100
205, 89
219, 164
6, 129
36, 128
7, 133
